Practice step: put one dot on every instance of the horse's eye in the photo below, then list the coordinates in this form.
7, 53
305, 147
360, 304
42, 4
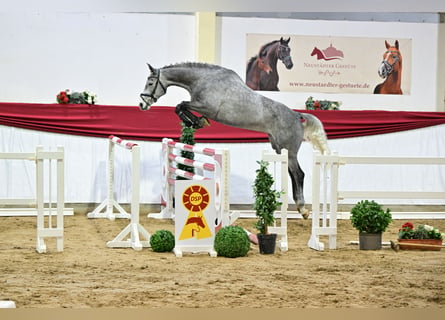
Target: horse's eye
394, 56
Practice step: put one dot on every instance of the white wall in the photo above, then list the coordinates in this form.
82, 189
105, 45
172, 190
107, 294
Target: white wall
106, 53
45, 52
424, 66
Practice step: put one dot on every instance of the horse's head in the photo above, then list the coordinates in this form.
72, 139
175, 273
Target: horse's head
262, 62
263, 65
392, 60
315, 51
154, 89
283, 53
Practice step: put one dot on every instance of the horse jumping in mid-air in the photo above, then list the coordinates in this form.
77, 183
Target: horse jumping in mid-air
221, 95
270, 53
391, 70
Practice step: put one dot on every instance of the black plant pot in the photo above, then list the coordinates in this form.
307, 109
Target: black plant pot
267, 243
370, 241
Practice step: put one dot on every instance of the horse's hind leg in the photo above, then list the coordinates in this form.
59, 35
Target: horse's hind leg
297, 179
295, 173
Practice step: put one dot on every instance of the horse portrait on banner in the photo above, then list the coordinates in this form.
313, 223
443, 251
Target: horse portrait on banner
390, 69
262, 72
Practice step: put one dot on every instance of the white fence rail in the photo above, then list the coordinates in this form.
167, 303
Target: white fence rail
46, 227
326, 193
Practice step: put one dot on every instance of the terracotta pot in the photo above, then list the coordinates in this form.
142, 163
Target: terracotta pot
419, 243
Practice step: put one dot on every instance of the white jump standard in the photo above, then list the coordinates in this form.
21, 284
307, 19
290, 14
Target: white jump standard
281, 230
110, 203
325, 168
129, 236
40, 157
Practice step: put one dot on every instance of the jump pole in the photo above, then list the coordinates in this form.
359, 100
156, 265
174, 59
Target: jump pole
129, 236
220, 170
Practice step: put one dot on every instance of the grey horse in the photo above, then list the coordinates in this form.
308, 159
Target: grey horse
221, 95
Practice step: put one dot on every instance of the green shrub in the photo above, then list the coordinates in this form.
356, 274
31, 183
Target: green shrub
162, 241
232, 242
369, 217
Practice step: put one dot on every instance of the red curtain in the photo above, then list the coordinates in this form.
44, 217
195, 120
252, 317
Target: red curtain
129, 122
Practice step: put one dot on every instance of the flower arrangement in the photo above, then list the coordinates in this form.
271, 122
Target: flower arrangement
423, 231
84, 97
312, 104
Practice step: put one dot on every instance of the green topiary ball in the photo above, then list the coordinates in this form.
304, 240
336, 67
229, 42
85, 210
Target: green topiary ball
232, 242
162, 241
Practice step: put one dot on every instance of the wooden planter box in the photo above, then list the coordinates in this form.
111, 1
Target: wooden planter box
420, 244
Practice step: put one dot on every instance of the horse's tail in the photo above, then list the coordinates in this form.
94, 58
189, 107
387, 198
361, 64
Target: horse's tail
314, 132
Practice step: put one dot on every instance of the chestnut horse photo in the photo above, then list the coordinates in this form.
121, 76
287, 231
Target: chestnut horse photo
391, 70
255, 67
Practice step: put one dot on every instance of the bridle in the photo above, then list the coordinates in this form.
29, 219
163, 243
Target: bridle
158, 82
390, 66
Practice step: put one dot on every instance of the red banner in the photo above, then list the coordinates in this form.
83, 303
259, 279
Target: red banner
129, 122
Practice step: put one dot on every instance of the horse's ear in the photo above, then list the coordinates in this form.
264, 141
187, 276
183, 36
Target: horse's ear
397, 44
288, 39
387, 45
152, 70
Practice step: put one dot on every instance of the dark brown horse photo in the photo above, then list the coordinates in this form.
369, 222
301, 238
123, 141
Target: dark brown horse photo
261, 71
391, 70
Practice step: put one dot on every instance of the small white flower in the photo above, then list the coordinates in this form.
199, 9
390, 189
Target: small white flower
428, 228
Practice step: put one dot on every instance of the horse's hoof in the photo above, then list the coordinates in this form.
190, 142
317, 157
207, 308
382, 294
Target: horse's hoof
304, 213
200, 123
205, 122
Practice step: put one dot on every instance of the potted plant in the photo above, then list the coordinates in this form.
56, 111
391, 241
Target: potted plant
424, 237
267, 200
369, 218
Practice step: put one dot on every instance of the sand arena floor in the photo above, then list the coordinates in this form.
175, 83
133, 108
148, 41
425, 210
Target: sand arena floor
87, 274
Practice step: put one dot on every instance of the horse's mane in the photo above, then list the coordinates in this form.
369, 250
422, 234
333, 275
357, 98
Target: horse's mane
197, 65
251, 61
268, 44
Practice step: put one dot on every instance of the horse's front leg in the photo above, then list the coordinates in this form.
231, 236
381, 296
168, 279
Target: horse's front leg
189, 119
